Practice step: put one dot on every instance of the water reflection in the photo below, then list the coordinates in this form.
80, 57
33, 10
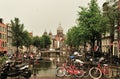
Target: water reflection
44, 68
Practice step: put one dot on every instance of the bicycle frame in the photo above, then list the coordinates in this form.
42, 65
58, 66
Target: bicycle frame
71, 69
104, 69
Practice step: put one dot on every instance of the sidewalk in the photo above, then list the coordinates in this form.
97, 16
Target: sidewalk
60, 78
37, 77
45, 77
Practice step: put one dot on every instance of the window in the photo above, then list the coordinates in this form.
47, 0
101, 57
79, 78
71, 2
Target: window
0, 35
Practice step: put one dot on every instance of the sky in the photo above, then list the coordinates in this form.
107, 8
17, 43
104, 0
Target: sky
39, 16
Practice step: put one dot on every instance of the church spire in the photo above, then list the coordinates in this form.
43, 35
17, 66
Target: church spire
59, 27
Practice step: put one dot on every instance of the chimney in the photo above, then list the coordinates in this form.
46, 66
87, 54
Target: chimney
1, 20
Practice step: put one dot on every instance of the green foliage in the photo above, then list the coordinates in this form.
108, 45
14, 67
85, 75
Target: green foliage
91, 24
3, 59
70, 35
17, 32
20, 36
41, 42
27, 39
74, 37
112, 13
36, 41
83, 23
45, 41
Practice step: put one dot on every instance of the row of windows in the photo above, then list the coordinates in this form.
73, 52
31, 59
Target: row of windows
9, 34
3, 36
3, 44
106, 42
3, 29
9, 40
9, 28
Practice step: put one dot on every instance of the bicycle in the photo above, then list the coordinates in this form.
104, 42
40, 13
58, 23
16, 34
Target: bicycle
99, 70
69, 70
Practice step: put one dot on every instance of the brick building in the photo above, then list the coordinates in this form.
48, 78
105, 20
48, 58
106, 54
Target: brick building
3, 37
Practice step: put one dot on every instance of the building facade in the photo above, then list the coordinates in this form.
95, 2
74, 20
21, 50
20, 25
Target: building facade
107, 42
57, 40
3, 37
10, 49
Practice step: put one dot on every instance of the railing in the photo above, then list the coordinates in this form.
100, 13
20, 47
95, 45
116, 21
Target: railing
50, 71
115, 71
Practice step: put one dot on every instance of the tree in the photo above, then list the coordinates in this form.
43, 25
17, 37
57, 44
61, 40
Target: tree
45, 41
17, 32
91, 23
76, 40
111, 11
42, 42
37, 42
83, 24
27, 39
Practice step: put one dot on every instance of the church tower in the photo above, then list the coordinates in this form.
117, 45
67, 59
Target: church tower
59, 38
60, 31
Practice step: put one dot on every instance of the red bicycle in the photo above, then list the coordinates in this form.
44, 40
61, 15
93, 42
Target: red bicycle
69, 70
101, 69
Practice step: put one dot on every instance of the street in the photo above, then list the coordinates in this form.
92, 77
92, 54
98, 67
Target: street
47, 77
33, 77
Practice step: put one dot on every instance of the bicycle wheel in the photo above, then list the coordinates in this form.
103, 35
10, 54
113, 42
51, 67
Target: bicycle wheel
86, 70
67, 73
95, 73
86, 73
60, 71
79, 72
107, 72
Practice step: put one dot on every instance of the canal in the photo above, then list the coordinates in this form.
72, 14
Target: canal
43, 68
47, 66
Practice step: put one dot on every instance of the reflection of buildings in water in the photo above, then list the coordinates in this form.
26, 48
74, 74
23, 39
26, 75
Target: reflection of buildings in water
55, 56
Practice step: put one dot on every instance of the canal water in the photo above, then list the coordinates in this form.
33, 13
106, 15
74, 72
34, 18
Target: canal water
44, 68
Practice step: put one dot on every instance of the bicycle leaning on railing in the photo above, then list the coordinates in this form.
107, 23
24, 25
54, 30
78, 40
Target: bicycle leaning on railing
100, 70
69, 70
76, 67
